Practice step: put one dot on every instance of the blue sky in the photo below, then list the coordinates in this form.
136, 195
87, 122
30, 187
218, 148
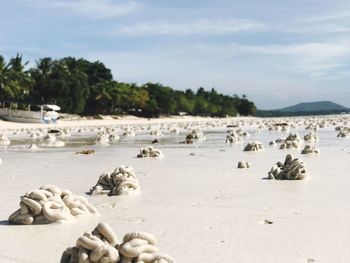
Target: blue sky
276, 52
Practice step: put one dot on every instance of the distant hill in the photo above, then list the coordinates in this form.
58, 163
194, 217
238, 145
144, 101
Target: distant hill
306, 108
313, 107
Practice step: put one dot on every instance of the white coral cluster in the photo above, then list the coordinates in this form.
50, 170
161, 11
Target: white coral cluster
33, 147
289, 145
50, 204
102, 246
51, 141
96, 246
233, 137
344, 133
129, 132
243, 165
242, 132
4, 141
156, 132
106, 137
291, 169
313, 127
149, 151
309, 149
174, 130
254, 146
195, 134
122, 181
311, 137
292, 141
102, 138
36, 135
63, 132
283, 126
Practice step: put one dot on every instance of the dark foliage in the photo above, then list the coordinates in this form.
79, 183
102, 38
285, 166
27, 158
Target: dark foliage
83, 87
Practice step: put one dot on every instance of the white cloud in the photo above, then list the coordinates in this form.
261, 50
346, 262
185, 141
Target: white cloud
97, 9
320, 50
314, 59
197, 27
334, 16
308, 29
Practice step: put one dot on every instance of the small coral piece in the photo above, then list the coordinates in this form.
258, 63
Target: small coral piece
243, 165
122, 181
254, 146
149, 151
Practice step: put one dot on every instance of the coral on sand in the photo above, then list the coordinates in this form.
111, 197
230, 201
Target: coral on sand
96, 246
254, 146
243, 165
51, 141
194, 135
122, 181
291, 169
50, 204
33, 147
102, 138
4, 141
311, 137
149, 151
293, 140
343, 134
102, 245
309, 149
233, 137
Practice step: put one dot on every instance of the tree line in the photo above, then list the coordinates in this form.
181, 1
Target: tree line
79, 86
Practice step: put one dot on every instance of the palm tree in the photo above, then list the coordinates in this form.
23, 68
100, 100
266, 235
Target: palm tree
102, 97
4, 89
8, 86
20, 76
15, 83
44, 67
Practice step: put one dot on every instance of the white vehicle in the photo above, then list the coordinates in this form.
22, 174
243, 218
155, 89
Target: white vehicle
32, 113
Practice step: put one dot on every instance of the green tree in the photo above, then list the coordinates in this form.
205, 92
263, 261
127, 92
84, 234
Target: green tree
163, 96
101, 97
63, 82
246, 107
15, 81
80, 86
185, 104
201, 107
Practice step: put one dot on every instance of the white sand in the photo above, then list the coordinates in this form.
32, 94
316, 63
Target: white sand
201, 207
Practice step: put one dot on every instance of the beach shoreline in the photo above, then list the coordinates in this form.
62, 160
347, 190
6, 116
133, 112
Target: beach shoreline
110, 121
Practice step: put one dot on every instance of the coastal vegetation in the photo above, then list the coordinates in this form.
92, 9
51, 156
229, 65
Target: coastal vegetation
79, 86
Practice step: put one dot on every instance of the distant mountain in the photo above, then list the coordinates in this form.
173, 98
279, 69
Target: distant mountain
314, 107
306, 108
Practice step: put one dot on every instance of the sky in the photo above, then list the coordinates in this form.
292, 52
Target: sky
276, 52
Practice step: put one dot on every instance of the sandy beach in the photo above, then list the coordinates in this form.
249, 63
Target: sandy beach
195, 200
